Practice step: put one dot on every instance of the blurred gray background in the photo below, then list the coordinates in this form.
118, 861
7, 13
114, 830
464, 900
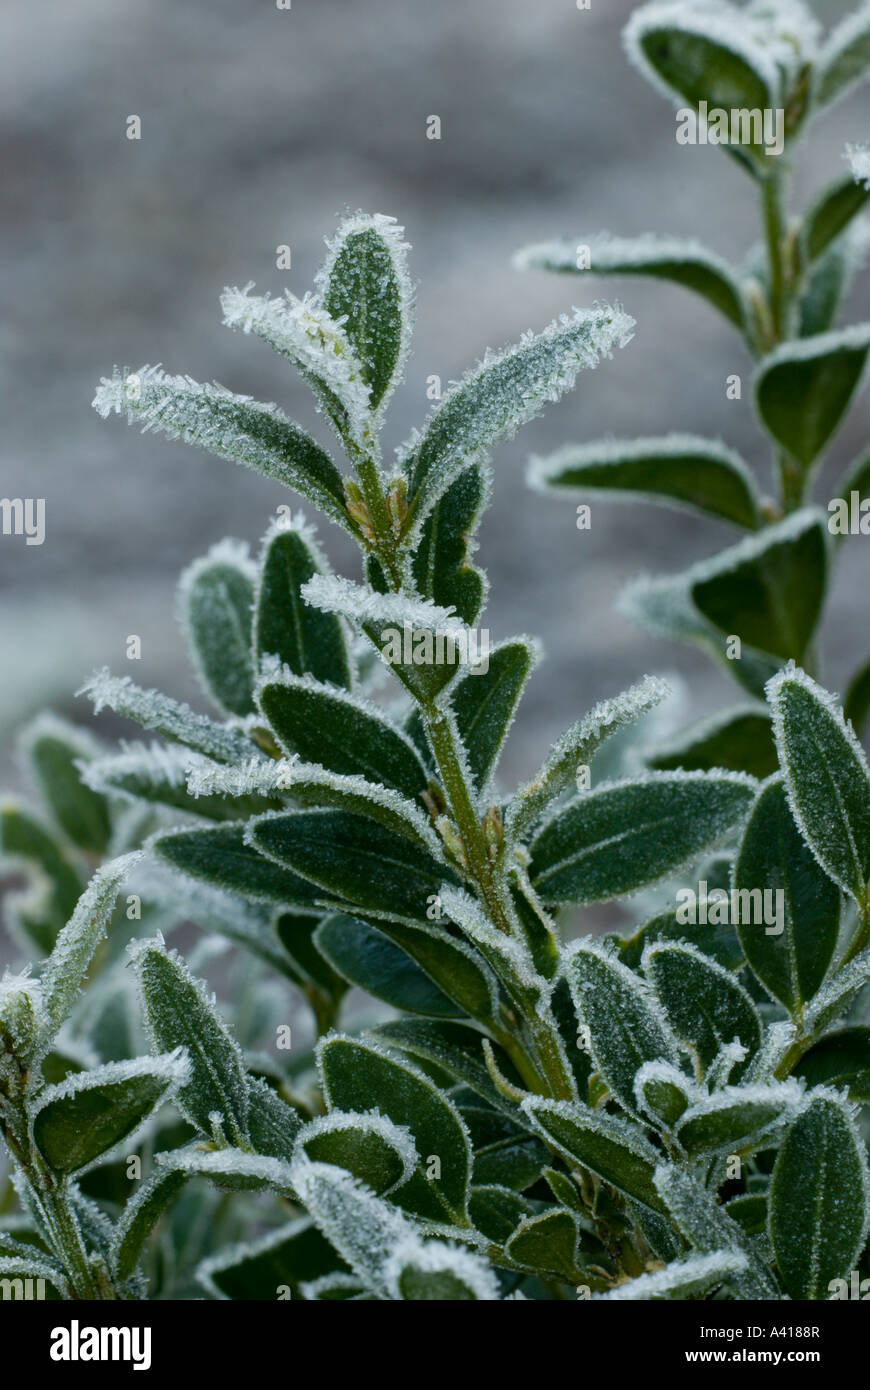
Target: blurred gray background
259, 126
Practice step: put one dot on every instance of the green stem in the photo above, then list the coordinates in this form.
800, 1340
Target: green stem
67, 1241
772, 192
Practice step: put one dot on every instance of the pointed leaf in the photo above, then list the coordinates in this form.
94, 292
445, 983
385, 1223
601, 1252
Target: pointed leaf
612, 1148
221, 856
803, 389
307, 641
53, 749
441, 563
612, 841
178, 1013
484, 704
216, 598
826, 778
737, 1117
174, 721
739, 739
371, 961
841, 1059
701, 474
831, 213
705, 1004
549, 1245
791, 956
818, 1198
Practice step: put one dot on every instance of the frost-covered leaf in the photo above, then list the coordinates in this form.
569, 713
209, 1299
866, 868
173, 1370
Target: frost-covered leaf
441, 563
803, 389
286, 1258
496, 1211
624, 835
626, 1025
159, 773
373, 1149
423, 644
844, 59
76, 943
549, 1244
505, 1155
767, 590
221, 857
576, 747
165, 716
484, 704
457, 1049
300, 637
230, 426
663, 1092
831, 279
436, 1272
367, 958
361, 1076
831, 213
717, 940
818, 1198
705, 1004
790, 954
683, 1279
700, 54
701, 474
353, 858
215, 600
179, 1013
737, 1117
739, 739
364, 286
615, 1150
306, 334
680, 260
507, 389
53, 751
835, 996
840, 1059
272, 1123
92, 1111
707, 1225
233, 1169
342, 731
32, 1265
826, 777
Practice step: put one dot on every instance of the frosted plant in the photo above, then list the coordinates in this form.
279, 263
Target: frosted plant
666, 1115
751, 78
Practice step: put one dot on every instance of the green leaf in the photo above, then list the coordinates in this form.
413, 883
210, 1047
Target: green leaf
369, 959
457, 1048
826, 288
773, 859
285, 1258
681, 261
803, 389
739, 739
92, 1111
705, 1005
307, 641
664, 1092
234, 1170
610, 842
52, 747
364, 286
626, 1025
496, 1211
576, 747
837, 994
818, 1198
831, 213
216, 599
233, 427
826, 778
612, 1148
502, 393
840, 1060
272, 1124
361, 1076
160, 774
76, 943
844, 58
716, 939
736, 1118
708, 1226
750, 1211
342, 732
353, 858
19, 1267
484, 704
505, 1154
442, 1273
856, 701
549, 1244
701, 56
441, 563
295, 931
178, 1013
373, 1149
701, 474
220, 856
